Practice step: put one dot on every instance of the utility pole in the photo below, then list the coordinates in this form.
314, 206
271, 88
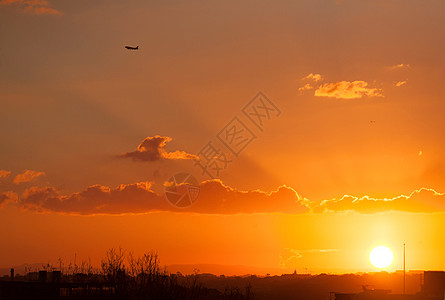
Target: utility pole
404, 271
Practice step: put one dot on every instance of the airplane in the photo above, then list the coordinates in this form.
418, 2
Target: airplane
132, 48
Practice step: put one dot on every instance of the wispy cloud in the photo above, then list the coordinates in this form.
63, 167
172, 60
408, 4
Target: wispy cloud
306, 87
313, 76
153, 149
400, 66
347, 90
400, 83
287, 254
423, 200
37, 7
27, 176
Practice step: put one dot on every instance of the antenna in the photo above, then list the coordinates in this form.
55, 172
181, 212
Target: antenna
404, 271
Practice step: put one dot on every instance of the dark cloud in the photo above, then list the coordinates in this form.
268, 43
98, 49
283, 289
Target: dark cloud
153, 149
6, 197
214, 198
36, 7
219, 198
131, 198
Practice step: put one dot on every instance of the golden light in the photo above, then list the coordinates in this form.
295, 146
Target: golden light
381, 257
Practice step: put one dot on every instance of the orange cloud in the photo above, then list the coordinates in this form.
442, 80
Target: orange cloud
214, 198
288, 254
4, 174
400, 83
37, 7
420, 201
8, 196
306, 87
347, 90
219, 198
27, 176
153, 149
401, 66
314, 77
96, 199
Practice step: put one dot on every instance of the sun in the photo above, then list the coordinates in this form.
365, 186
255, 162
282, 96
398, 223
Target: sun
381, 257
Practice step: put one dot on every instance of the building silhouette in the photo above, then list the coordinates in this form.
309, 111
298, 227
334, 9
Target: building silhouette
432, 288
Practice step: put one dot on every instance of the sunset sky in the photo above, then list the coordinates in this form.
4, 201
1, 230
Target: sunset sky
346, 153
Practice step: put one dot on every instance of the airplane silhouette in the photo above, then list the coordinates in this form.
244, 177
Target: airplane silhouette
132, 48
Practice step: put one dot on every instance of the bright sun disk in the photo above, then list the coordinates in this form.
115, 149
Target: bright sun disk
381, 257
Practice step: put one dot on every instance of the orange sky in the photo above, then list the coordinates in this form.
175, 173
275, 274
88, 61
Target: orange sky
90, 132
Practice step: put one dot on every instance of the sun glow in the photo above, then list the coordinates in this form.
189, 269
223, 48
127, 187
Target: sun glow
381, 257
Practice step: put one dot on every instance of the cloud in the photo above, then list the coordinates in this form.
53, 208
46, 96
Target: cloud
8, 196
400, 66
306, 87
153, 149
4, 174
27, 176
314, 77
420, 201
217, 198
36, 7
400, 83
214, 198
347, 90
96, 199
287, 254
